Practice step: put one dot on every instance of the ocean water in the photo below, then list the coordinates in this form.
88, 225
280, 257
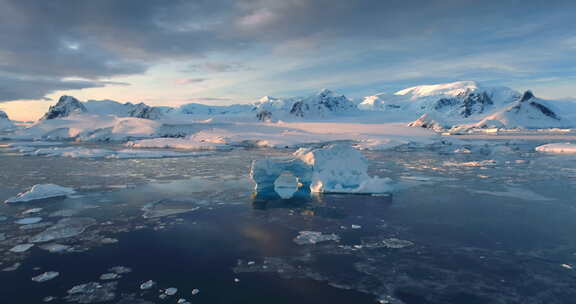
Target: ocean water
493, 226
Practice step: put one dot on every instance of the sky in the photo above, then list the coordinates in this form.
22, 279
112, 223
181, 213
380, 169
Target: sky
235, 51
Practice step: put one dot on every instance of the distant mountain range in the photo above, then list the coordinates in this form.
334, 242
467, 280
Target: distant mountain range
457, 105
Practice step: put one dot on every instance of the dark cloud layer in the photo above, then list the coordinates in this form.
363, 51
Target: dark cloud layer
106, 38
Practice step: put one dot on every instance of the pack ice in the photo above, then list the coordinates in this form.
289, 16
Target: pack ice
333, 169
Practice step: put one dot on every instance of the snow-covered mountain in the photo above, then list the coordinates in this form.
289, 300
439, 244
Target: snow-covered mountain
202, 109
454, 100
5, 122
66, 106
320, 105
527, 112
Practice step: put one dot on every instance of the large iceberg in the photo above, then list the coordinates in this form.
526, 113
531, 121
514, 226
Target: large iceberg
334, 169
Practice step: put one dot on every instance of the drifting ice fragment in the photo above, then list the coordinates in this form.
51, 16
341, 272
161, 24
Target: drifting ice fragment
28, 220
171, 291
45, 276
313, 237
65, 228
147, 285
41, 191
21, 248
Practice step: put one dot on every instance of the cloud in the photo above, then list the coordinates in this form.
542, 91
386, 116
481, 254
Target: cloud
187, 81
100, 40
15, 88
216, 67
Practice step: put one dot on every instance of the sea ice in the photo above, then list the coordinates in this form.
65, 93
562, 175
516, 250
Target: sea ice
313, 237
171, 291
41, 191
109, 276
65, 228
45, 276
55, 248
147, 285
92, 292
567, 148
28, 220
21, 248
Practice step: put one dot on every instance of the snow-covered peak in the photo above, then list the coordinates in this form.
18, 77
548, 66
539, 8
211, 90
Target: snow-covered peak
143, 110
5, 122
3, 115
447, 89
528, 112
322, 104
66, 106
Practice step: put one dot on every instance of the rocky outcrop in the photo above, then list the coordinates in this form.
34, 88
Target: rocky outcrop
66, 106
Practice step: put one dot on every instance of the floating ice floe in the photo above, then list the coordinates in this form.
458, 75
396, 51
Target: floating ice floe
313, 237
109, 276
120, 269
21, 248
41, 191
28, 220
195, 291
47, 276
566, 148
166, 207
55, 248
80, 152
170, 291
92, 292
31, 211
395, 243
65, 228
189, 143
147, 285
335, 169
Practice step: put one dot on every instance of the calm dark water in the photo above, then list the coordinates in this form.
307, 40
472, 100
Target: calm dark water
473, 228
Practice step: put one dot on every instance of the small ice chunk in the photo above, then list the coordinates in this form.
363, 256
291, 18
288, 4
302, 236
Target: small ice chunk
47, 276
171, 291
41, 191
28, 220
108, 241
65, 228
147, 285
195, 291
182, 301
15, 266
109, 276
236, 280
567, 266
33, 210
355, 226
120, 269
313, 237
48, 299
55, 248
396, 243
21, 248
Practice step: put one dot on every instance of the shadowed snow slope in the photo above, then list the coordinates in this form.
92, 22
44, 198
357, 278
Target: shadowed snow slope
5, 122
